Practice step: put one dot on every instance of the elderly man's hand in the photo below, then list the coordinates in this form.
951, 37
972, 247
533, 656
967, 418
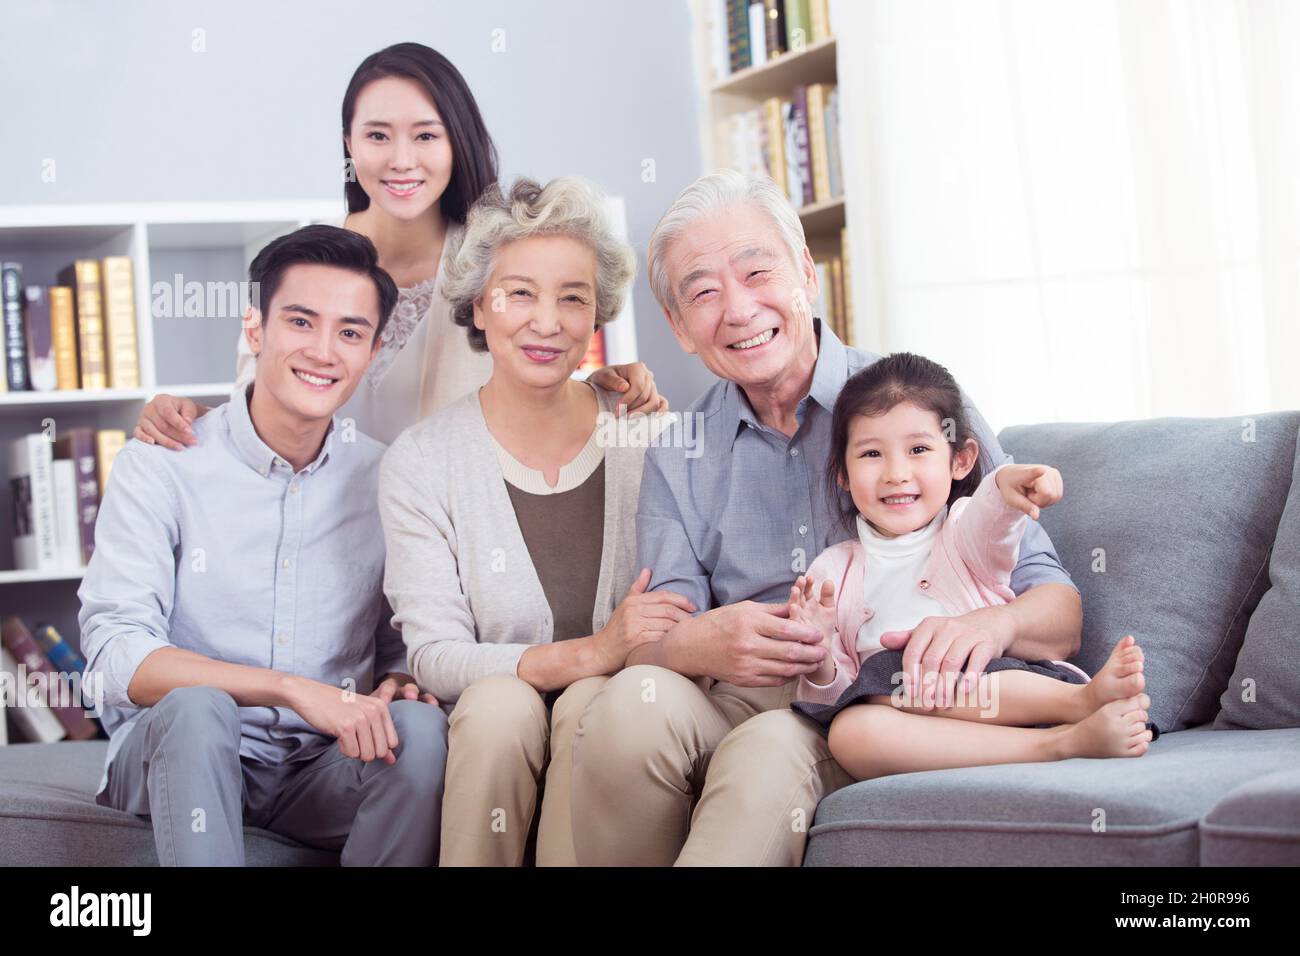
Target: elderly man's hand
940, 648
757, 645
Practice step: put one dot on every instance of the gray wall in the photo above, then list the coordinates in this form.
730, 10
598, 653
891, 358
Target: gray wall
113, 92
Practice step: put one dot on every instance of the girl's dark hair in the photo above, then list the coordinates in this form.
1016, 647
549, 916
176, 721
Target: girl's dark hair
473, 155
885, 383
321, 245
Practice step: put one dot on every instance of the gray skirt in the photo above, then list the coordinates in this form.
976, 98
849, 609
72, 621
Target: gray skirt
876, 676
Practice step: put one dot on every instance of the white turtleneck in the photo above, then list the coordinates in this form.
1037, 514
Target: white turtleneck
891, 574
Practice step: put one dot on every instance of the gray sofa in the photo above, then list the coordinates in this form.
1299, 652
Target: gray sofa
1183, 532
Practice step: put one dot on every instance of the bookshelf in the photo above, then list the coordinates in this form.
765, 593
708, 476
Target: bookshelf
190, 354
727, 94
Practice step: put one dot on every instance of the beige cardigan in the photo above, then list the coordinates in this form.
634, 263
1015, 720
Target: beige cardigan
464, 591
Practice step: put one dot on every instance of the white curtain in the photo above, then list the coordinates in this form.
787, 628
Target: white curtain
1089, 210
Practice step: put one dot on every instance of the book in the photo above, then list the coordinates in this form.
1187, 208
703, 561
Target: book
11, 296
832, 117
774, 140
31, 488
70, 712
62, 656
837, 297
790, 150
595, 355
41, 374
802, 150
63, 332
32, 718
719, 58
846, 289
67, 530
818, 142
108, 442
78, 446
798, 25
819, 16
119, 322
757, 34
84, 278
738, 53
822, 307
774, 24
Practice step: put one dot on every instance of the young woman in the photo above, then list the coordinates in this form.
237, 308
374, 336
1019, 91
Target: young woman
416, 157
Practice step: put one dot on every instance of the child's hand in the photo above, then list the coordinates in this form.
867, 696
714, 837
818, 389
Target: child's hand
814, 606
1028, 488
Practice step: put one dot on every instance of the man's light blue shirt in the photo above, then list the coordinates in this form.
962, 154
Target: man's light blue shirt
740, 516
223, 550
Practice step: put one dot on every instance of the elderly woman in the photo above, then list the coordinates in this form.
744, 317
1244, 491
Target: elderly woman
511, 524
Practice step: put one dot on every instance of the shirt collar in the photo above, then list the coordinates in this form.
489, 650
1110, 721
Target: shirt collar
830, 373
252, 450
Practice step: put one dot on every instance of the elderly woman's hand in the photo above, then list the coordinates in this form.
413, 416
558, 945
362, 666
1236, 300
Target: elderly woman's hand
636, 382
639, 619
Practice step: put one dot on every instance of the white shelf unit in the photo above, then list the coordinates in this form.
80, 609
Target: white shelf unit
191, 355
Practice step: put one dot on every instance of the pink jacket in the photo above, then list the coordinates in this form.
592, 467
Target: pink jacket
970, 567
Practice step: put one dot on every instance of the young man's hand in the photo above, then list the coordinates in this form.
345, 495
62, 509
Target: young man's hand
361, 723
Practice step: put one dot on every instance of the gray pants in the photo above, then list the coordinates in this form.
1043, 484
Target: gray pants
183, 755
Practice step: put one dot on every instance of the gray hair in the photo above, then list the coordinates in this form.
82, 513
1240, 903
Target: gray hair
707, 196
566, 206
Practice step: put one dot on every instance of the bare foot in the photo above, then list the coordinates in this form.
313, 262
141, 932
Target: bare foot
1116, 729
1120, 677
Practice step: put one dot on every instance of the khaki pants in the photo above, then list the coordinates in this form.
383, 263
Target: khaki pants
500, 741
652, 740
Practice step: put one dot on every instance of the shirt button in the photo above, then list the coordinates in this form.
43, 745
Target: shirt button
868, 614
803, 529
925, 585
293, 489
282, 640
286, 563
794, 452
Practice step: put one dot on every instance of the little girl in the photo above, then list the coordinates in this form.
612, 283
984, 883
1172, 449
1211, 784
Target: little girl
901, 445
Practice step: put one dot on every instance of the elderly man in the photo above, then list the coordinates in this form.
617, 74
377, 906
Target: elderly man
704, 713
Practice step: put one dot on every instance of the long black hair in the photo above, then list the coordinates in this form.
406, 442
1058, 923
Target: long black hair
473, 154
885, 383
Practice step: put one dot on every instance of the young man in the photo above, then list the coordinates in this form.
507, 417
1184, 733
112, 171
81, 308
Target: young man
234, 604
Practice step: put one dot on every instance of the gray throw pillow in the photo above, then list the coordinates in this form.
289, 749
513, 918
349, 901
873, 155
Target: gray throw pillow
1166, 527
1264, 690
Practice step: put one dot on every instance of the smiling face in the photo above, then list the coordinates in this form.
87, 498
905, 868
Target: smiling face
399, 147
900, 467
742, 303
539, 309
316, 338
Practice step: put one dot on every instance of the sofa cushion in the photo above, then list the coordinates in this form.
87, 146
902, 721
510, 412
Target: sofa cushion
1264, 689
1257, 824
1048, 814
49, 817
1166, 527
